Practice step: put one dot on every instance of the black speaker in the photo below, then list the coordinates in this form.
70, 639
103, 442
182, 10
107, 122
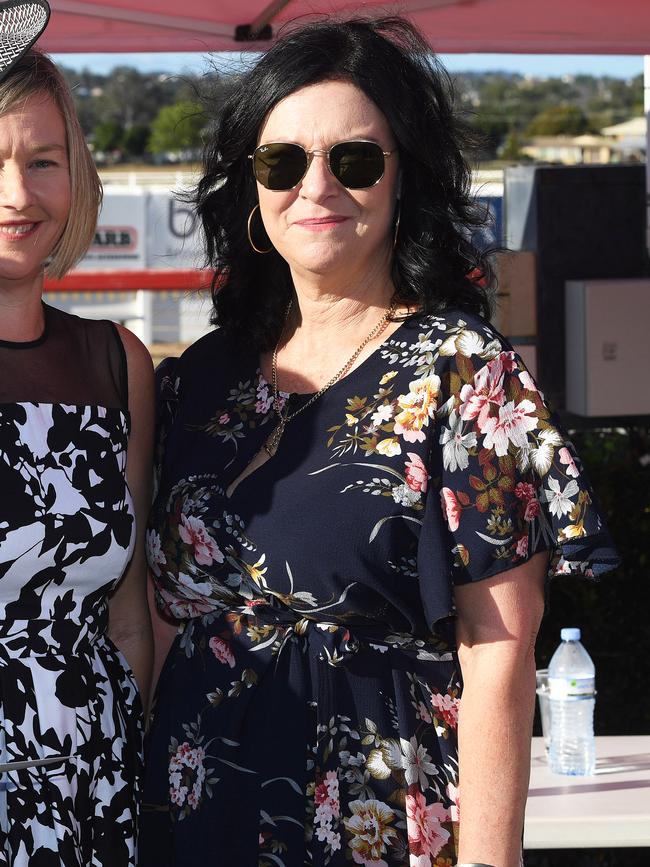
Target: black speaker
583, 222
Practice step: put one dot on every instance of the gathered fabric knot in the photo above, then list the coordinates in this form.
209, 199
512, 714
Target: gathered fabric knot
336, 643
332, 643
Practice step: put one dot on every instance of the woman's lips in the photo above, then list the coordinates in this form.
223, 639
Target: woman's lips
321, 224
17, 231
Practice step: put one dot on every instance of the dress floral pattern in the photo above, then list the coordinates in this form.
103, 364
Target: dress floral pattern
307, 712
66, 535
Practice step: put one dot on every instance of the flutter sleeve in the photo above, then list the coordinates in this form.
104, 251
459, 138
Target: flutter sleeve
508, 479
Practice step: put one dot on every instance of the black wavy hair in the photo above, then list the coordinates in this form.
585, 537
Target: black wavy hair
435, 264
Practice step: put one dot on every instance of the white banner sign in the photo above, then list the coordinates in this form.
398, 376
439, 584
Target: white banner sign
144, 228
119, 242
173, 236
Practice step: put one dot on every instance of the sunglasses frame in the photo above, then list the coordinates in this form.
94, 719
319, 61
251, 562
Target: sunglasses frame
323, 153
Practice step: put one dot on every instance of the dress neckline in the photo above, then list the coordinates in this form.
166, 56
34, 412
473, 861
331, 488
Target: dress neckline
359, 367
29, 344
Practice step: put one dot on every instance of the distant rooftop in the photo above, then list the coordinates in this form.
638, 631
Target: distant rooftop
634, 127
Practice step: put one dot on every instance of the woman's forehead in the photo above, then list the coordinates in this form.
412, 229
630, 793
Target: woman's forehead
325, 113
37, 118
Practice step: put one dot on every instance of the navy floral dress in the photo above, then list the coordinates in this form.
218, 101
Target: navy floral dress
307, 711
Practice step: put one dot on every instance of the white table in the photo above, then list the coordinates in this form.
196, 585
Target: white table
611, 809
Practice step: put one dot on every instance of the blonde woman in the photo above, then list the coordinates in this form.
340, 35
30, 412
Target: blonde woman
75, 449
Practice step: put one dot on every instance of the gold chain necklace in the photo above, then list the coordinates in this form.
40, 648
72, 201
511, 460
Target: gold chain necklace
272, 443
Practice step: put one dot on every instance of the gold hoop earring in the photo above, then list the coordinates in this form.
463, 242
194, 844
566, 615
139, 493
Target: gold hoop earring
396, 230
248, 229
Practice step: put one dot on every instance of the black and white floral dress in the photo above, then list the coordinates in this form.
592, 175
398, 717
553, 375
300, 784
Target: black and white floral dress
67, 529
307, 712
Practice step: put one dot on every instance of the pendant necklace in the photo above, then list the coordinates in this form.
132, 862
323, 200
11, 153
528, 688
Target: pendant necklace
273, 441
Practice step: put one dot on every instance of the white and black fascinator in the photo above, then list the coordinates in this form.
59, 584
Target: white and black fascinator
21, 23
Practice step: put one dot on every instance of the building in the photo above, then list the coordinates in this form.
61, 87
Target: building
569, 150
623, 142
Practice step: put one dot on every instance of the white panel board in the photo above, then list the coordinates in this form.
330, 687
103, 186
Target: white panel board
119, 242
607, 347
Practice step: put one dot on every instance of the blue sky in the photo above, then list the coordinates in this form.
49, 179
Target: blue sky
542, 65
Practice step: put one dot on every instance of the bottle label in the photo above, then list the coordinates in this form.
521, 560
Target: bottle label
565, 687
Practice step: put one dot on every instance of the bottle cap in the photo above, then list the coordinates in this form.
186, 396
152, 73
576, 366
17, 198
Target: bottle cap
570, 633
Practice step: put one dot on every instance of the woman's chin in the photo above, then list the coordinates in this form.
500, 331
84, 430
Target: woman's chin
320, 258
327, 257
323, 269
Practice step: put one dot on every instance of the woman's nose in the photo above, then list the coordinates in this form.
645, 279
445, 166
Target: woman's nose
318, 182
15, 187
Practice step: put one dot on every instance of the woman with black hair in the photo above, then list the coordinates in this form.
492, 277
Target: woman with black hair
360, 491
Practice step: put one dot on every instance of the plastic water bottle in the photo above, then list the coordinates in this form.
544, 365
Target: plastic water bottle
571, 684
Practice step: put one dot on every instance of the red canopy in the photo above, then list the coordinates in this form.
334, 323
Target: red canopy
519, 26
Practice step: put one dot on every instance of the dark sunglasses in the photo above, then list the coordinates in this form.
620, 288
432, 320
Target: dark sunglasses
355, 164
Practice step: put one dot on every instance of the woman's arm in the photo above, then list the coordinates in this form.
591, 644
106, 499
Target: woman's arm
498, 619
164, 633
129, 622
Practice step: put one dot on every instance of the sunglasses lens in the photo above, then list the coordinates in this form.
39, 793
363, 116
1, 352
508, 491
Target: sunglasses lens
279, 166
357, 164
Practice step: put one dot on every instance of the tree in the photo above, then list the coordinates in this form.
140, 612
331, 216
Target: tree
559, 120
177, 127
131, 97
108, 136
511, 149
135, 139
491, 127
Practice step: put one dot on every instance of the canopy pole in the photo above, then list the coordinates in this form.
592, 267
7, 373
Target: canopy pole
646, 107
267, 15
135, 16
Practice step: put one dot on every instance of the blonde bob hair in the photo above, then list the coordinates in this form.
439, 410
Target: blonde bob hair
36, 74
